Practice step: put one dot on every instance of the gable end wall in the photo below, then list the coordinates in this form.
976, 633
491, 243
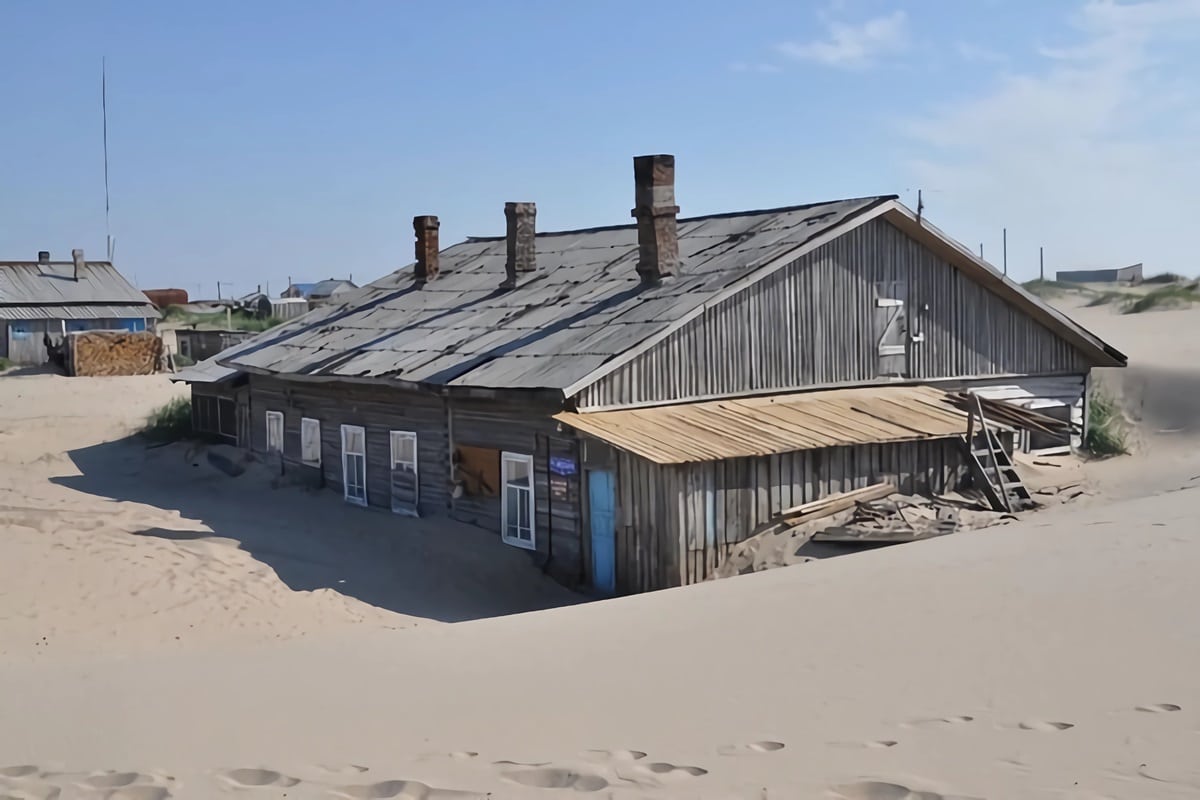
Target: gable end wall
812, 324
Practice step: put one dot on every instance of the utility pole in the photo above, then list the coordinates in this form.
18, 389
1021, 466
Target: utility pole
981, 249
1004, 257
220, 284
1042, 262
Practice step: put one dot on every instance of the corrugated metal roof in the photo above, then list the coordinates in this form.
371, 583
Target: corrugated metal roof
206, 371
719, 429
30, 283
583, 305
79, 311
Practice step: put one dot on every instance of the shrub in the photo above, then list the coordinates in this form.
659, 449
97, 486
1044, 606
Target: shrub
1045, 289
1166, 297
1106, 432
1166, 277
5, 364
170, 422
1105, 298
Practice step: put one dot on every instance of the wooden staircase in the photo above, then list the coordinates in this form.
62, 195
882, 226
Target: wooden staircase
991, 467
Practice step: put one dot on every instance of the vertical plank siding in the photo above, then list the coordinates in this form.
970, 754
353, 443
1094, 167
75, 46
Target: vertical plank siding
812, 324
517, 427
678, 523
378, 411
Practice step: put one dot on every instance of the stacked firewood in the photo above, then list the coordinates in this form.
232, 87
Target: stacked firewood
94, 353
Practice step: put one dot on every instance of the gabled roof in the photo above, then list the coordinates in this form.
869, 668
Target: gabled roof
329, 287
584, 311
584, 305
31, 283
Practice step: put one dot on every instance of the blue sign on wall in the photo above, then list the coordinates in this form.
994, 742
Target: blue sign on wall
561, 465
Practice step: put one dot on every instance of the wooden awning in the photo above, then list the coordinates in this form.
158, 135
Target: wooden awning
720, 429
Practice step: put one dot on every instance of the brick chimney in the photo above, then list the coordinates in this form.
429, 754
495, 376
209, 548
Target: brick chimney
77, 257
521, 221
426, 230
43, 256
655, 210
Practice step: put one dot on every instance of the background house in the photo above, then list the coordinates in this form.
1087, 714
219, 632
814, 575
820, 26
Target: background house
321, 292
46, 298
1131, 274
630, 402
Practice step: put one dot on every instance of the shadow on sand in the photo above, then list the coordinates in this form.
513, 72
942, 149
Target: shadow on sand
431, 568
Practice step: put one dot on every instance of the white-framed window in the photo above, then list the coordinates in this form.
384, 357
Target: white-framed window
405, 485
516, 506
310, 441
354, 464
274, 431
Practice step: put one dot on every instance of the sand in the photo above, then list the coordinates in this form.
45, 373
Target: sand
1054, 657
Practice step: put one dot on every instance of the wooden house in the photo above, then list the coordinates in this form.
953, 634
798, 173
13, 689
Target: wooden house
630, 402
44, 300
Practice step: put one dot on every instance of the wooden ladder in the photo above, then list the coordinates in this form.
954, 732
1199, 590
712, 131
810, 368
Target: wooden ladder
991, 467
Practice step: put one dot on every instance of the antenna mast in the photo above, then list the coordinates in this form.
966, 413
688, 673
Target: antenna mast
104, 116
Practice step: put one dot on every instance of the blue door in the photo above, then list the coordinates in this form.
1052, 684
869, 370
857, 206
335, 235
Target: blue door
602, 502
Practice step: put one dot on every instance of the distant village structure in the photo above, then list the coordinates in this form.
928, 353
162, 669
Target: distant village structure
629, 403
330, 290
43, 301
1131, 275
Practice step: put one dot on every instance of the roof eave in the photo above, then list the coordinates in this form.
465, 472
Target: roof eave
960, 256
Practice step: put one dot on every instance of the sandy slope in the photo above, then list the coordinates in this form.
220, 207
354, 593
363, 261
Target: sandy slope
108, 547
1039, 660
1053, 658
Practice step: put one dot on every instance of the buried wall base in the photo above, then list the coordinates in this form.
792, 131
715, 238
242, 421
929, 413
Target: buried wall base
677, 523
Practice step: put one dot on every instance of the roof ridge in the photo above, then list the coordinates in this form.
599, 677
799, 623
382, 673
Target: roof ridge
701, 217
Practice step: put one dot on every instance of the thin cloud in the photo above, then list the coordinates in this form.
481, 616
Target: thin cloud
755, 66
848, 46
978, 54
1089, 151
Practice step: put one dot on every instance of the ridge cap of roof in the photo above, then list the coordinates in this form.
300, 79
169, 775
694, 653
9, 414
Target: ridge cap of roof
754, 212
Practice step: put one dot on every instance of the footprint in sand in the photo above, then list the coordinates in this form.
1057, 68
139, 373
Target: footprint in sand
116, 780
139, 793
937, 722
879, 790
753, 748
556, 778
614, 755
872, 744
402, 790
1045, 726
256, 778
1160, 708
662, 771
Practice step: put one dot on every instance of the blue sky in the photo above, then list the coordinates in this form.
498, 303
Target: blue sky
252, 141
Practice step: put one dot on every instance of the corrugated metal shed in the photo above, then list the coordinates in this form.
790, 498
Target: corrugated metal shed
761, 426
582, 306
80, 311
207, 371
34, 290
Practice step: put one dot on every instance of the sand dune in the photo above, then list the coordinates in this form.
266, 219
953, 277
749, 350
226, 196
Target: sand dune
109, 547
169, 632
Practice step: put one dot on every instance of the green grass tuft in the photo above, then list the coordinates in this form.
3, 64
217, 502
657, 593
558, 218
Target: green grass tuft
1166, 277
5, 364
1108, 298
1164, 298
1045, 289
171, 422
236, 320
1106, 432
